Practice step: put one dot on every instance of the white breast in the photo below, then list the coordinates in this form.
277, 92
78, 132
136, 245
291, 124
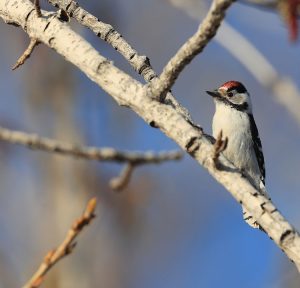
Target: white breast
235, 125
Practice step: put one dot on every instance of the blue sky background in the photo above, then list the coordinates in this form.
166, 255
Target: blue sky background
174, 226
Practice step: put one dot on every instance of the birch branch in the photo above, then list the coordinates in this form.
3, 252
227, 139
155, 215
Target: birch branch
127, 91
65, 248
106, 32
109, 34
191, 48
34, 141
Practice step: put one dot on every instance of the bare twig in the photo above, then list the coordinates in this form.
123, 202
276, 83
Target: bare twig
219, 146
37, 8
192, 47
33, 43
65, 248
120, 182
91, 153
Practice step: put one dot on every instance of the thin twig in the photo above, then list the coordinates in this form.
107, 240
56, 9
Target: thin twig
91, 153
65, 248
120, 182
37, 8
191, 48
219, 146
33, 43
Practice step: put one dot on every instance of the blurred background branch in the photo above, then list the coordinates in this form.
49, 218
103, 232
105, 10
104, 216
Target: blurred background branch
65, 248
34, 141
133, 159
120, 182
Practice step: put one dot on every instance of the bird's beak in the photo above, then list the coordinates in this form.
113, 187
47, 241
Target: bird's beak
214, 94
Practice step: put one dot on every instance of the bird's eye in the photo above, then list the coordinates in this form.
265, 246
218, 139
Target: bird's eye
229, 94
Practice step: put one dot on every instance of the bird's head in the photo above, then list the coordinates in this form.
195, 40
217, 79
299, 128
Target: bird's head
233, 94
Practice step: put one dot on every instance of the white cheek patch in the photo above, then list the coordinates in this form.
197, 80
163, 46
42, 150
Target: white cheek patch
239, 99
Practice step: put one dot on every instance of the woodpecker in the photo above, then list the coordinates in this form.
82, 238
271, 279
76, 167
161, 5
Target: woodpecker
234, 117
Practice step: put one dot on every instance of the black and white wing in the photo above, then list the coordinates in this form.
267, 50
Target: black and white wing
257, 148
